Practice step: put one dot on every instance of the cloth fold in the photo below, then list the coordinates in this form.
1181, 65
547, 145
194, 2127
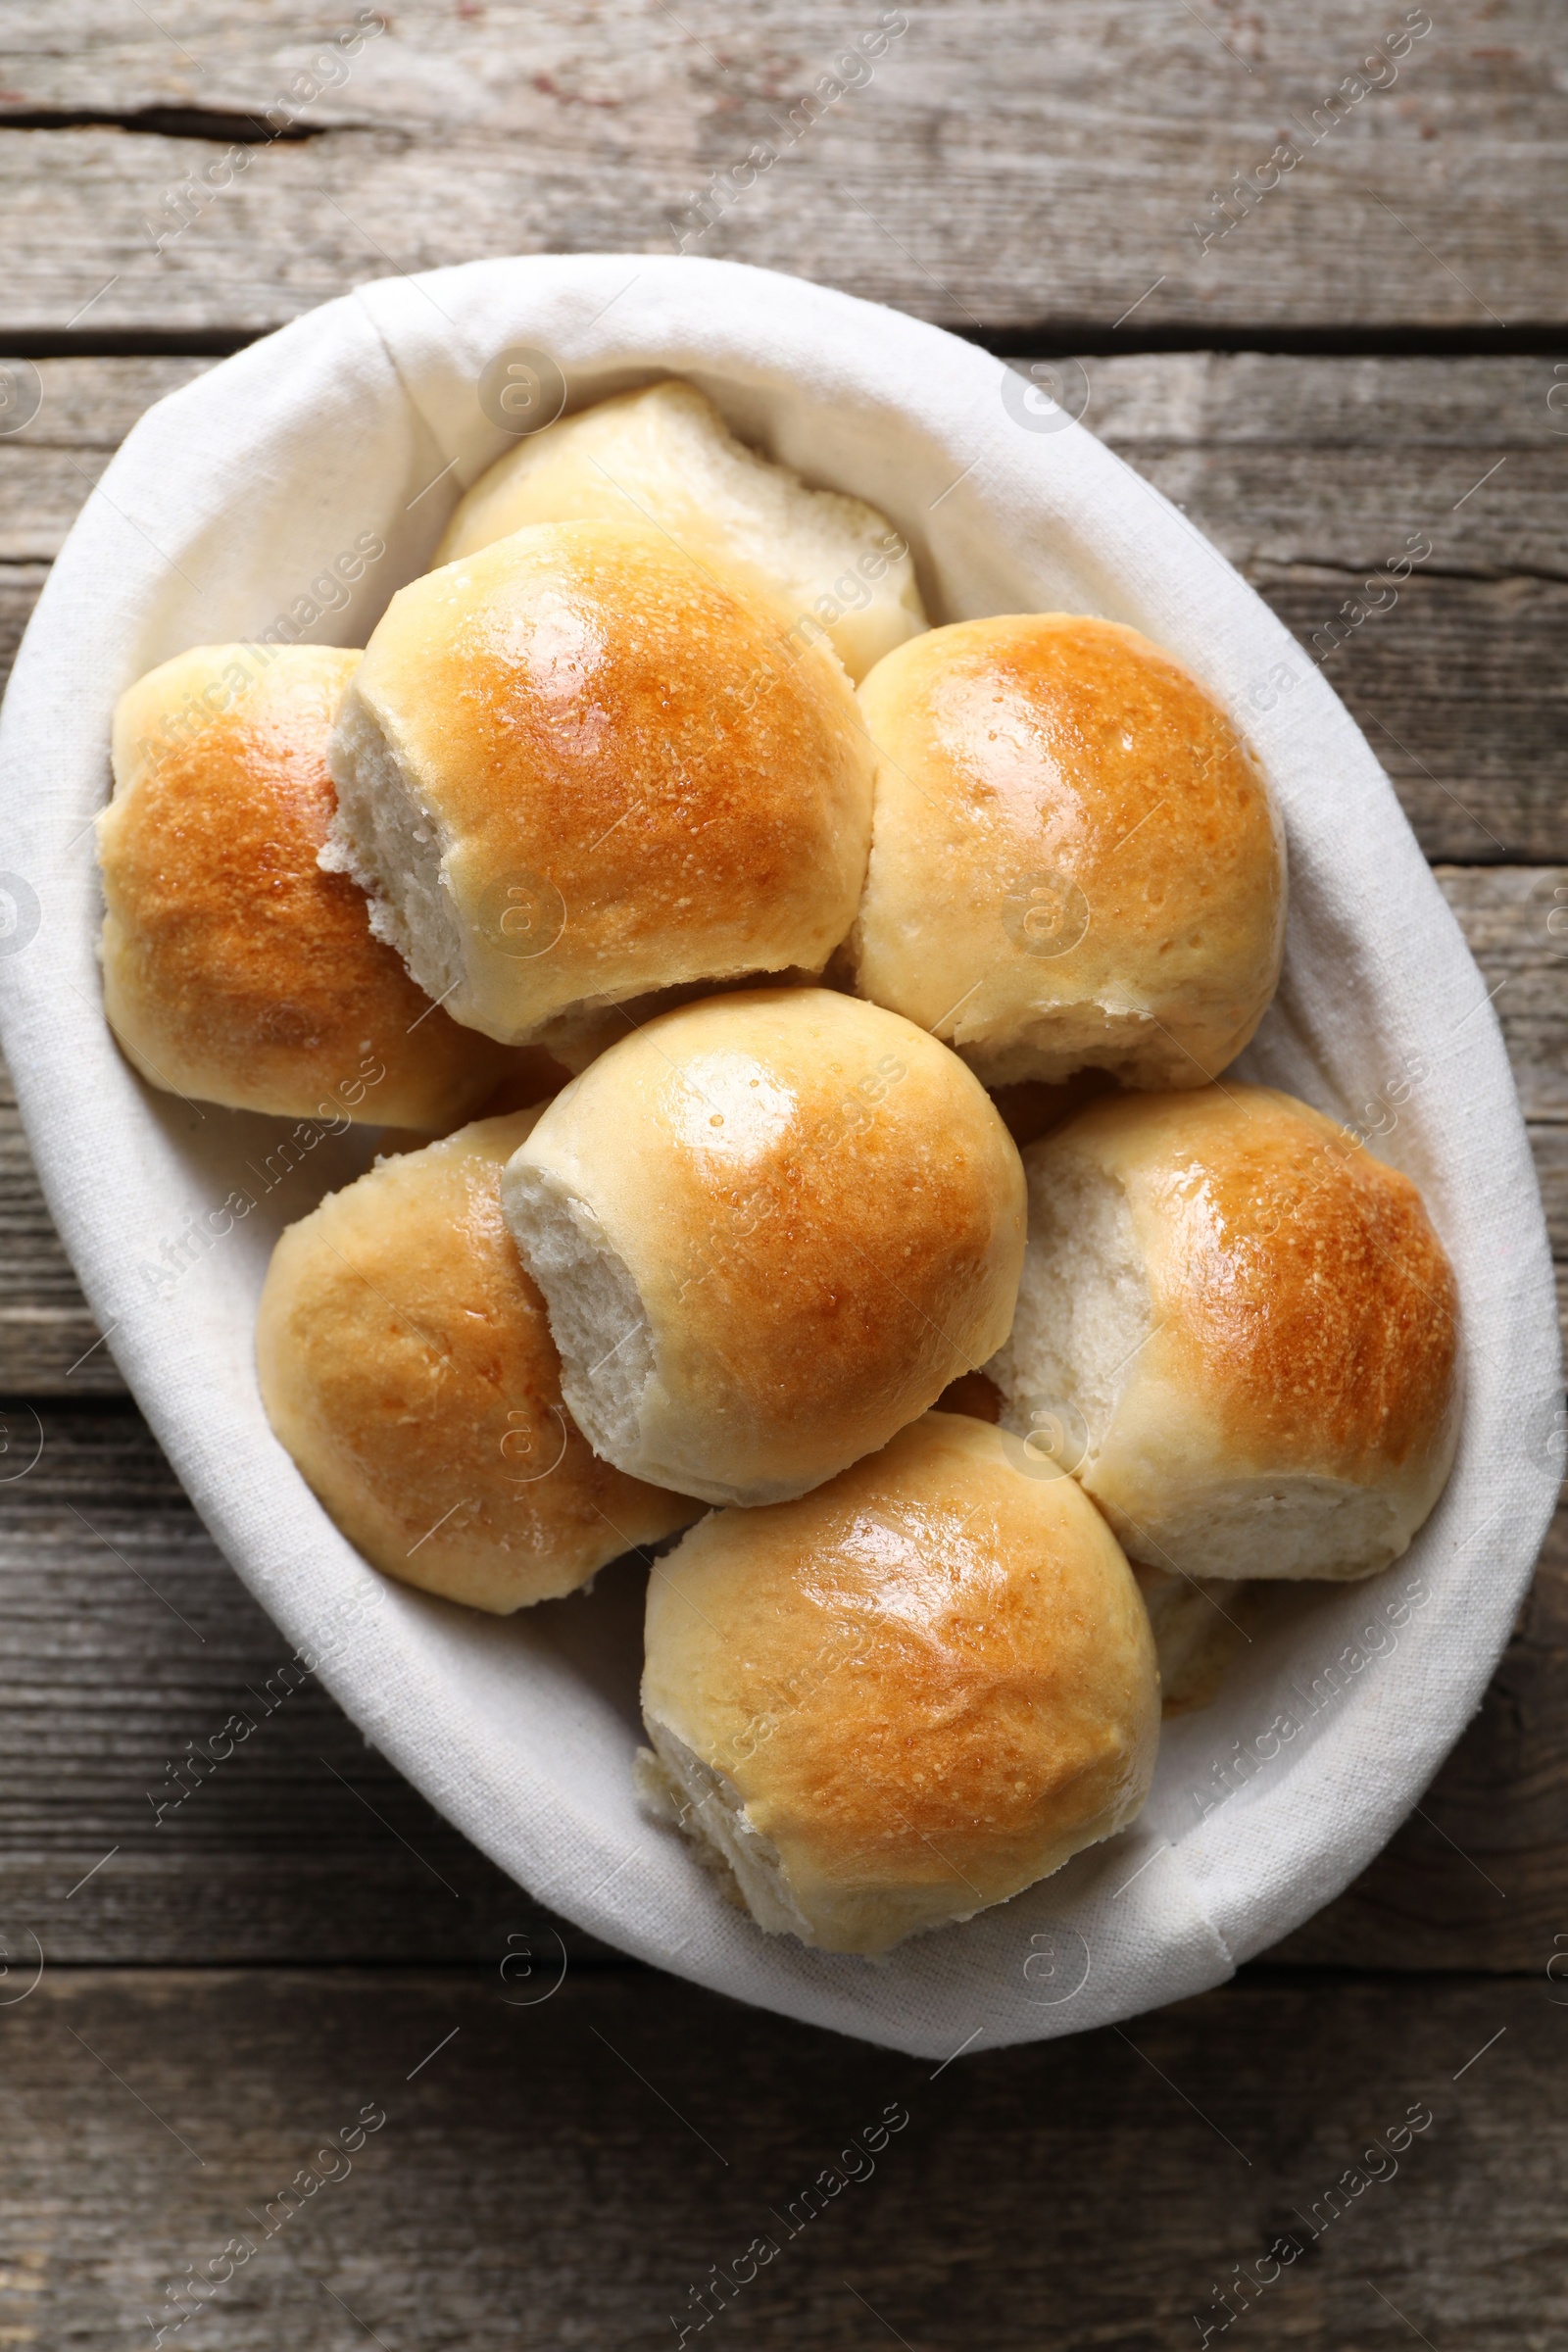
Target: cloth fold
224, 516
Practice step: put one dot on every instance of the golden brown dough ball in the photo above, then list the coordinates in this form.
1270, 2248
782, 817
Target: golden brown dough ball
407, 1365
236, 970
1075, 860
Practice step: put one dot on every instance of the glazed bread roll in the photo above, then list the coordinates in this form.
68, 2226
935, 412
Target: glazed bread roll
772, 1227
904, 1698
234, 969
406, 1363
1075, 861
664, 456
576, 767
1239, 1330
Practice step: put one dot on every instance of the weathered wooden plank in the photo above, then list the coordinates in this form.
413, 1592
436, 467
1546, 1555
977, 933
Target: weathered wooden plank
1334, 462
1007, 162
128, 1641
1285, 460
590, 2171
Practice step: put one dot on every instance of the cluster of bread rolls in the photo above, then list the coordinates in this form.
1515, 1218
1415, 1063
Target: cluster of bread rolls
661, 777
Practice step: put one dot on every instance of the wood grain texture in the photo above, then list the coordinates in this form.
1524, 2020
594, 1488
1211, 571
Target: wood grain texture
574, 2173
1283, 461
1003, 163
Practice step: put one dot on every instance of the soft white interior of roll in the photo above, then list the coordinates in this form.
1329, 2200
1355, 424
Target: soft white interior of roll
1083, 1310
1271, 1529
596, 1311
765, 511
391, 845
707, 1808
1083, 1315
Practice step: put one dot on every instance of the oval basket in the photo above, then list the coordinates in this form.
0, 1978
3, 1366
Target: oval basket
260, 491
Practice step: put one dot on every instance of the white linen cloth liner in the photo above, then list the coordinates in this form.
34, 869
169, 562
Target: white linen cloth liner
228, 500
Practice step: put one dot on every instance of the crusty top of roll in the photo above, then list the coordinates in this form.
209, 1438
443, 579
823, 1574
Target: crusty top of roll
1301, 1317
1076, 859
591, 723
1308, 1296
236, 970
817, 1219
406, 1363
664, 456
928, 1683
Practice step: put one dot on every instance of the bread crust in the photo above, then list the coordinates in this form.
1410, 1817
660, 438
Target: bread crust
236, 970
1076, 862
405, 1365
621, 741
823, 1216
928, 1683
1303, 1329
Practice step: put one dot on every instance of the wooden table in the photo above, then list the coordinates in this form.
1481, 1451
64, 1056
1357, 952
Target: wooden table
1375, 347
